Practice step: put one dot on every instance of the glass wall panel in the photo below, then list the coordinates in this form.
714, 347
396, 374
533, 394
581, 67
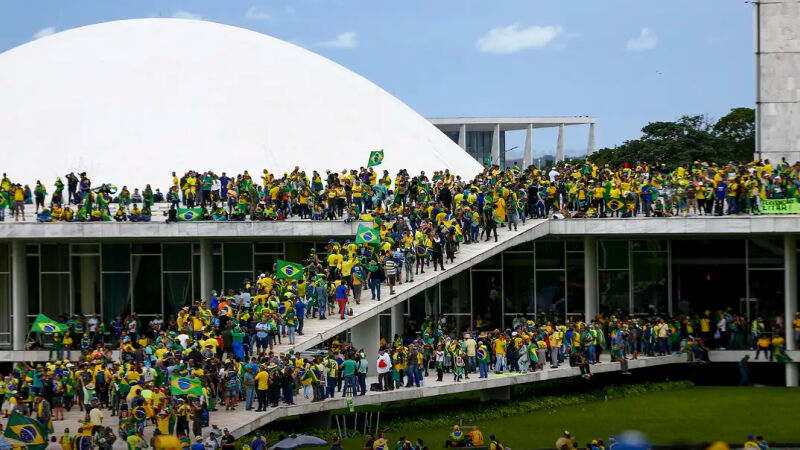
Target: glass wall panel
455, 294
235, 280
765, 253
268, 247
5, 303
612, 254
81, 249
116, 257
177, 257
426, 303
146, 282
614, 295
86, 284
265, 263
55, 294
519, 293
458, 322
4, 258
55, 257
486, 299
196, 278
550, 298
177, 292
524, 247
707, 274
216, 270
116, 295
576, 284
32, 269
238, 256
147, 248
766, 286
491, 263
653, 245
649, 283
549, 254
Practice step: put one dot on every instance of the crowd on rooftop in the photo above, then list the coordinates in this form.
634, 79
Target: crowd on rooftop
512, 195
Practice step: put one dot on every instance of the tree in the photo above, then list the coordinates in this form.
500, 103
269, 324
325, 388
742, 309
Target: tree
688, 139
739, 128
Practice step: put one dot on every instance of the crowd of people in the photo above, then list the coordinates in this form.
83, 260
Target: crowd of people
513, 194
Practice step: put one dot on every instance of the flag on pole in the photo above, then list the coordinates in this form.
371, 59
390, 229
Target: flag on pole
27, 431
375, 158
186, 386
44, 324
366, 235
289, 270
189, 214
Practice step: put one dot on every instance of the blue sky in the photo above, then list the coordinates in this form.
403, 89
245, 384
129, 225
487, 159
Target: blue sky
625, 62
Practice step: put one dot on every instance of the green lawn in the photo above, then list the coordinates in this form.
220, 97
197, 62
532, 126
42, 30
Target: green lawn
686, 416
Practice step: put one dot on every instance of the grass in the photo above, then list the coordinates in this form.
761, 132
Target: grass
687, 416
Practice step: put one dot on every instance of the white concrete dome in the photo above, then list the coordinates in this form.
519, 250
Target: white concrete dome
130, 101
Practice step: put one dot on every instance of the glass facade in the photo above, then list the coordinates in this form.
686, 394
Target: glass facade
544, 278
479, 145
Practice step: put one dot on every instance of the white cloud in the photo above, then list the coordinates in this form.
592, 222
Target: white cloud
182, 14
348, 39
647, 40
44, 32
257, 13
512, 38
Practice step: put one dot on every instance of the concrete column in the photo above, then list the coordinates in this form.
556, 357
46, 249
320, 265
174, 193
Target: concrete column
398, 320
499, 393
462, 136
590, 146
590, 277
206, 267
19, 294
367, 335
527, 156
790, 302
560, 144
496, 145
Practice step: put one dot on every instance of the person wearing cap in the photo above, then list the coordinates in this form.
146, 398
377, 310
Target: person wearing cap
565, 442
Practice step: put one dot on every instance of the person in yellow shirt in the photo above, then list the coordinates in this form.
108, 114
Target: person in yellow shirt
262, 385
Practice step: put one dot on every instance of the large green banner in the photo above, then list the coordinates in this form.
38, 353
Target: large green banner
780, 206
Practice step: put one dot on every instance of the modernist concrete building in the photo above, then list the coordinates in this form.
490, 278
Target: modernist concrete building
561, 269
777, 51
484, 137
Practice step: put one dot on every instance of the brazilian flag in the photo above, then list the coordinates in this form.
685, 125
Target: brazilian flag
83, 441
614, 204
44, 324
4, 200
186, 386
309, 377
27, 431
375, 158
367, 235
189, 214
289, 270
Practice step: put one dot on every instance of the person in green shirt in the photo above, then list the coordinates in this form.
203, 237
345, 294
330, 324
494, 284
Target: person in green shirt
349, 373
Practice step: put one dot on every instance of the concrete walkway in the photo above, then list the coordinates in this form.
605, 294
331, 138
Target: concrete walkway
241, 422
317, 331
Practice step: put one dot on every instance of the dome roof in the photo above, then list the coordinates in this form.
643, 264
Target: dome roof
131, 101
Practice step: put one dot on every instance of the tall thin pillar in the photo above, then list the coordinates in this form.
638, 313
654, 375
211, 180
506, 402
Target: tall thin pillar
19, 294
462, 136
367, 336
496, 145
527, 157
398, 320
206, 272
560, 144
590, 294
590, 145
790, 302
